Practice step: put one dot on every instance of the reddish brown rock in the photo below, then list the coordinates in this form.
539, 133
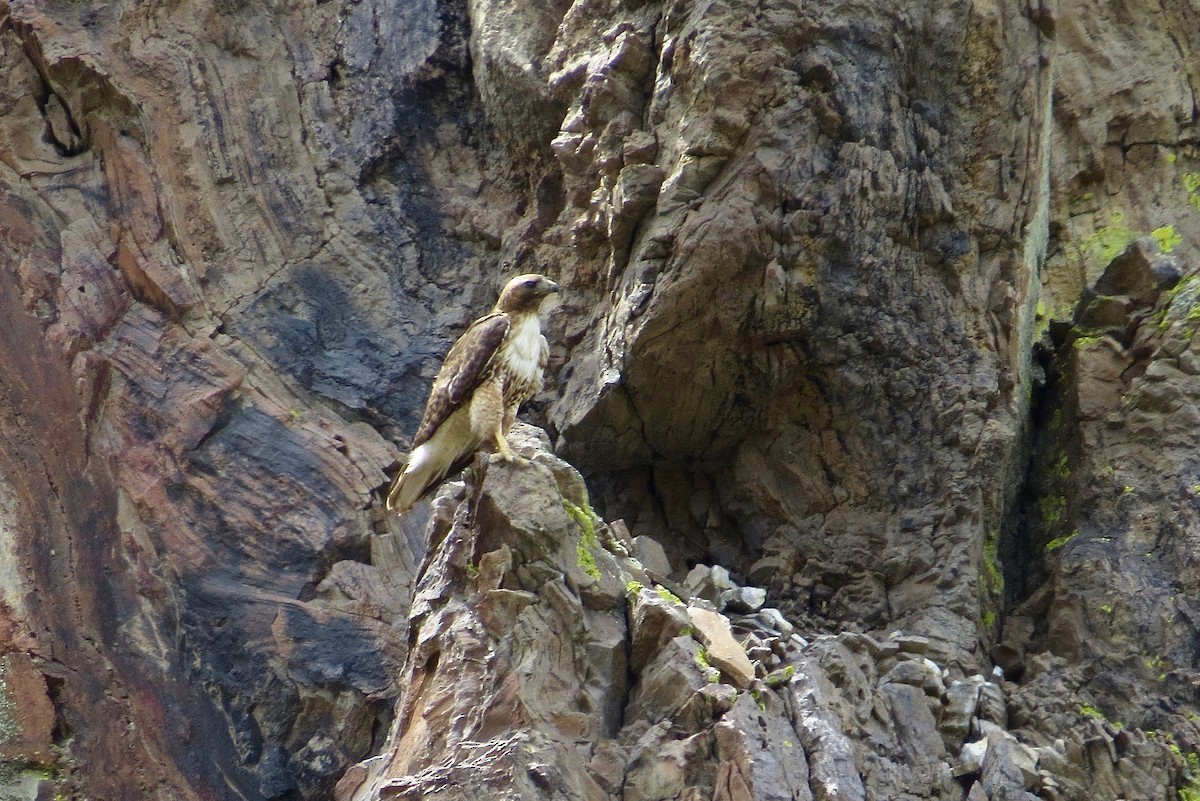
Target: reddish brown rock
26, 712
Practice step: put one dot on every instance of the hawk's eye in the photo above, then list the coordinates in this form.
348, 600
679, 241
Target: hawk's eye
531, 283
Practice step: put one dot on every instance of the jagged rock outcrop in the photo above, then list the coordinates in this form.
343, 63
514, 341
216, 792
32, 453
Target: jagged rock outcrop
545, 665
877, 331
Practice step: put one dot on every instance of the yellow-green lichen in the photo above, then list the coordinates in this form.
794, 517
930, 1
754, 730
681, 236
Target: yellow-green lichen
586, 519
667, 595
1058, 542
1062, 467
706, 667
1191, 762
587, 561
1166, 238
778, 678
1110, 241
633, 588
1182, 302
1053, 507
993, 575
1089, 711
1191, 185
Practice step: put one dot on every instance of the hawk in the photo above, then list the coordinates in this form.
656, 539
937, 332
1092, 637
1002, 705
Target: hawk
489, 372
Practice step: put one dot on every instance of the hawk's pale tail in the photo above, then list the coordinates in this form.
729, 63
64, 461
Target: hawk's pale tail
450, 446
422, 474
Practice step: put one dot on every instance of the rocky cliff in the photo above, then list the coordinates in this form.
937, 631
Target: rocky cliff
871, 415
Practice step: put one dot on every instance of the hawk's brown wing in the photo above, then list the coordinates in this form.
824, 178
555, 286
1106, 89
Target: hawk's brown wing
461, 371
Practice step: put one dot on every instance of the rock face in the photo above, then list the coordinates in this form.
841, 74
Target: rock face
876, 349
543, 667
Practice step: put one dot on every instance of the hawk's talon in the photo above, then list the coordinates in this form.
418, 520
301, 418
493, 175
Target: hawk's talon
504, 450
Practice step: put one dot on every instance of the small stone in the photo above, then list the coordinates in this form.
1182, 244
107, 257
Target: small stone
666, 683
697, 577
608, 765
620, 532
745, 599
659, 777
724, 653
1189, 363
888, 648
759, 653
1008, 763
914, 721
912, 643
772, 618
653, 557
961, 700
500, 608
970, 760
1051, 761
654, 620
991, 705
709, 583
921, 673
780, 677
1026, 761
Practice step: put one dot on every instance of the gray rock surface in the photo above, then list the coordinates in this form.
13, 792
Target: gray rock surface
845, 716
887, 310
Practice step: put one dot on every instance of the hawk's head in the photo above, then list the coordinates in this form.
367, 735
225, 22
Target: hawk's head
525, 292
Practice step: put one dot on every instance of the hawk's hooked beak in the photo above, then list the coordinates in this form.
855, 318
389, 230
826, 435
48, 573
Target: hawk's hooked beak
549, 287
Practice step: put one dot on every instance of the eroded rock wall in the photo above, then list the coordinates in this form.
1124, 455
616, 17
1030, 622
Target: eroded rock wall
842, 316
189, 525
806, 224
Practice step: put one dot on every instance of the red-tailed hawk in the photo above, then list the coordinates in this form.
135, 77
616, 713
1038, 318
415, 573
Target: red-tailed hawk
489, 372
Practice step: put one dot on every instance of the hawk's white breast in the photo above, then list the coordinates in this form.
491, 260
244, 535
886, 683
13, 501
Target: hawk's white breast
523, 350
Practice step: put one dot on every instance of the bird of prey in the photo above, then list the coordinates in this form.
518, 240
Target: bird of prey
489, 372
